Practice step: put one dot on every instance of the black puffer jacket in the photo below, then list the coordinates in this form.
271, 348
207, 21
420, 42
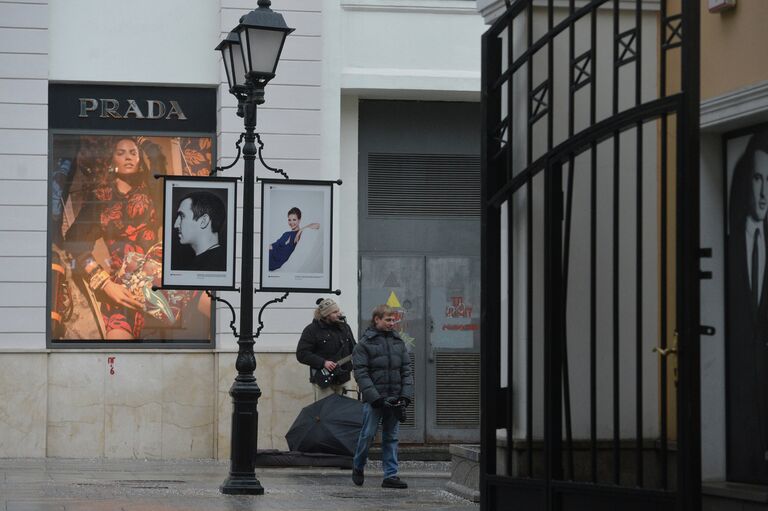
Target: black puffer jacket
321, 341
382, 366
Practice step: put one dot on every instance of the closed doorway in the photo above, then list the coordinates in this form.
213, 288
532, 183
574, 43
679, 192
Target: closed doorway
437, 304
419, 244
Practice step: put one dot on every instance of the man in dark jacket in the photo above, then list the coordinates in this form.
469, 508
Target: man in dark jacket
323, 343
383, 373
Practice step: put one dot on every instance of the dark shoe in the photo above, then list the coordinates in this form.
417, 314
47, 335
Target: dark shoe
358, 477
393, 482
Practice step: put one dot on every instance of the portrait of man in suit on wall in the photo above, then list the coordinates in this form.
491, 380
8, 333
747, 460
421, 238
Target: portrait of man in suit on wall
201, 222
747, 306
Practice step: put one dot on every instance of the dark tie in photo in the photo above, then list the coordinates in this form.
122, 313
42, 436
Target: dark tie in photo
755, 270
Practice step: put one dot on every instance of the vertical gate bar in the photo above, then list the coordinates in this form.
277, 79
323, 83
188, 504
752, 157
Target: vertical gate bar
529, 88
553, 319
566, 251
510, 92
489, 273
571, 58
663, 270
563, 333
663, 305
550, 141
510, 95
510, 337
553, 287
616, 360
639, 309
510, 260
593, 254
639, 52
529, 263
688, 289
639, 249
616, 148
550, 74
529, 326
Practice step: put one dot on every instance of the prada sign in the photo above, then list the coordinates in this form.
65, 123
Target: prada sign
111, 108
106, 107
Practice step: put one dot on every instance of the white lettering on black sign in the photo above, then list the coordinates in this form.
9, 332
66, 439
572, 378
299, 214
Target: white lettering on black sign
107, 108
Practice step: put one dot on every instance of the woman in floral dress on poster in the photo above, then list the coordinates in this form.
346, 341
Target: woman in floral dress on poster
122, 212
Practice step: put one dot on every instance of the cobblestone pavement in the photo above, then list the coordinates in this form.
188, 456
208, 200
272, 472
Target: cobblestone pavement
128, 485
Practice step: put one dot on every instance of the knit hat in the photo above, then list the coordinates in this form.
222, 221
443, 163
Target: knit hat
326, 306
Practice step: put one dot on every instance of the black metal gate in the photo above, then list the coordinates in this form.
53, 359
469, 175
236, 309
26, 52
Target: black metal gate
590, 253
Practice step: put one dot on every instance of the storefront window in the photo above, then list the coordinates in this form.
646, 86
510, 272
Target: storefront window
105, 232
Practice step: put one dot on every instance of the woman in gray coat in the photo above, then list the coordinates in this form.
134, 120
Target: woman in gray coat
383, 373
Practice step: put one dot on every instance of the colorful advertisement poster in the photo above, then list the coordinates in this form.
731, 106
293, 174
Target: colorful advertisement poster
106, 240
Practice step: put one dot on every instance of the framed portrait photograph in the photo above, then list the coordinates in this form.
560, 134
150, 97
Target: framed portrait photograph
745, 159
199, 217
296, 235
106, 241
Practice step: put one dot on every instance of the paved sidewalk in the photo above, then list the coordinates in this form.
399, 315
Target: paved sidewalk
128, 485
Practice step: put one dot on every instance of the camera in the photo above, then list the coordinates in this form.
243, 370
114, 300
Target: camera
397, 407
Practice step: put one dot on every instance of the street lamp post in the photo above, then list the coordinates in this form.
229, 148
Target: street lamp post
250, 53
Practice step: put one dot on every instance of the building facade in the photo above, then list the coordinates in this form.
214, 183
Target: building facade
354, 73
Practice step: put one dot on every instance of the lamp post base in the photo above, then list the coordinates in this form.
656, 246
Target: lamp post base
245, 425
245, 484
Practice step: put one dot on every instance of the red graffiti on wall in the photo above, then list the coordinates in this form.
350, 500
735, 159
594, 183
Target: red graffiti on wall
111, 364
458, 309
471, 326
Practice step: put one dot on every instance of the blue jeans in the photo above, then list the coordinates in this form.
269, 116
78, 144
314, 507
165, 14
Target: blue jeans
390, 427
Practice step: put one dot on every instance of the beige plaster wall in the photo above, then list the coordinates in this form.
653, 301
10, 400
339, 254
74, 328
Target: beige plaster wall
285, 390
23, 389
143, 405
733, 47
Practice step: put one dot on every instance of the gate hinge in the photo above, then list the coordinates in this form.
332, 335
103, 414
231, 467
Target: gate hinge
706, 330
705, 253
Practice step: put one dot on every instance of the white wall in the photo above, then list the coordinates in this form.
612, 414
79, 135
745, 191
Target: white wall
144, 41
713, 309
411, 49
23, 183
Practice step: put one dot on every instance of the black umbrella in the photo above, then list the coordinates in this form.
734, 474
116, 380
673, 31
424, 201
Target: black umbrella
331, 426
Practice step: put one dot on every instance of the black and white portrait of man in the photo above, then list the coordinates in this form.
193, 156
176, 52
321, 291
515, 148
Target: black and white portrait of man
201, 223
747, 306
199, 232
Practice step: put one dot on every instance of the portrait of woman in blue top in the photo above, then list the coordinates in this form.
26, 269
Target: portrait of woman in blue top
281, 250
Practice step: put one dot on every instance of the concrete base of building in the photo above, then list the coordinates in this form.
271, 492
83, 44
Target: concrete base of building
465, 471
416, 452
725, 496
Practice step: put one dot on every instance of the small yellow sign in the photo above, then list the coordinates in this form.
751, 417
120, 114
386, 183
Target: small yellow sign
393, 302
